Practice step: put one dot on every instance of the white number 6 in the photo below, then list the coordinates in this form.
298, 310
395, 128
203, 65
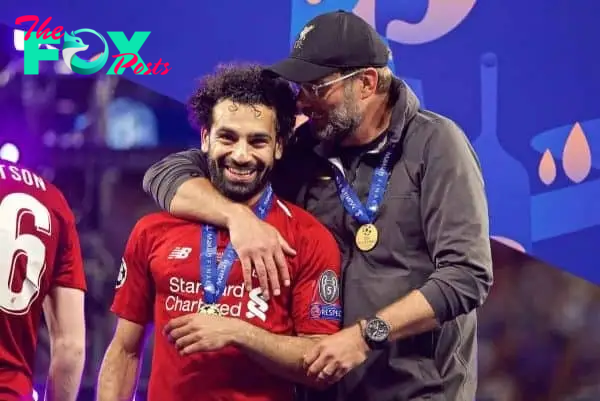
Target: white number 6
13, 245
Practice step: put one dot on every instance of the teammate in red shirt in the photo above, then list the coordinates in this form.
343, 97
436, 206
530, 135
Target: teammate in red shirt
40, 268
215, 339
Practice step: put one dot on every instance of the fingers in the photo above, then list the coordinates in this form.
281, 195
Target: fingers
281, 263
282, 267
259, 246
246, 271
272, 274
179, 332
186, 341
263, 278
323, 364
177, 322
311, 356
328, 372
194, 347
318, 365
340, 372
287, 249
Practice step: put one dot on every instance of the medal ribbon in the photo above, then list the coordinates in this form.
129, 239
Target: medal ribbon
214, 278
365, 214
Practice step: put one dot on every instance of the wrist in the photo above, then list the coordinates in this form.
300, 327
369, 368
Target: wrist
234, 212
242, 334
361, 332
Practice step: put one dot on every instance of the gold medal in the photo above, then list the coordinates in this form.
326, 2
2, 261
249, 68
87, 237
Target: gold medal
366, 237
210, 309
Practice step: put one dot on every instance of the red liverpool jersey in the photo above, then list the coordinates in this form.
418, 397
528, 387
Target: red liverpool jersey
39, 249
160, 279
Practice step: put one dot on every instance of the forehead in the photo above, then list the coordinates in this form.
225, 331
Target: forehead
243, 118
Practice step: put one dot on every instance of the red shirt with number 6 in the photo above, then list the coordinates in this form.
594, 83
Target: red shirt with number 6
39, 249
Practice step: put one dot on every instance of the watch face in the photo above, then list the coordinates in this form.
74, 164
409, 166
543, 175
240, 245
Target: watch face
377, 330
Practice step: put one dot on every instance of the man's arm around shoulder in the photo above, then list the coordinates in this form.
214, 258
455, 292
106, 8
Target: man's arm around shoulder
179, 183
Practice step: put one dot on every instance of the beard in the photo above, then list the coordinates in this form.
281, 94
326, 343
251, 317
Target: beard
341, 122
238, 190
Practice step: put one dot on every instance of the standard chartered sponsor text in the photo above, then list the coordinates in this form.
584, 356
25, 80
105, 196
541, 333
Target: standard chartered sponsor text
177, 301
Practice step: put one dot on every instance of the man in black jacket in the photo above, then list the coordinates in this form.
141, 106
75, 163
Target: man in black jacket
402, 192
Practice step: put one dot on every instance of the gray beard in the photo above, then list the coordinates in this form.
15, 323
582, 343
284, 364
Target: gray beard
337, 131
343, 121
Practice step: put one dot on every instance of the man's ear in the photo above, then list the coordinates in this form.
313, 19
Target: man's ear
204, 138
369, 79
278, 149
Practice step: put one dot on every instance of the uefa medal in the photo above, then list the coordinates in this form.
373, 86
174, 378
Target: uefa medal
209, 309
366, 237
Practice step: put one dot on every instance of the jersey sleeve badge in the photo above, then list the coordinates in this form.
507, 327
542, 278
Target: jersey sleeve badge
122, 274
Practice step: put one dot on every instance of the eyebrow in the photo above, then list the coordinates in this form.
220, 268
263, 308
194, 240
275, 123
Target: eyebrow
252, 135
260, 135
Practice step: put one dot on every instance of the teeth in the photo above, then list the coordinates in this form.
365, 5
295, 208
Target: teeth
240, 172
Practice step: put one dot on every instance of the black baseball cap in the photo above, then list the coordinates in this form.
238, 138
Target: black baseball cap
329, 43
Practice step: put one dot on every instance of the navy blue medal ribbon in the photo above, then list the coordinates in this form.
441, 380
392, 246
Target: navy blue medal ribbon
365, 214
214, 277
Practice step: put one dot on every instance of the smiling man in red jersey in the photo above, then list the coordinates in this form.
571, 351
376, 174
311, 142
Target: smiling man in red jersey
216, 339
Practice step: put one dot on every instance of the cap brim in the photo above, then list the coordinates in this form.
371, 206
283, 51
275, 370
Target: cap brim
300, 71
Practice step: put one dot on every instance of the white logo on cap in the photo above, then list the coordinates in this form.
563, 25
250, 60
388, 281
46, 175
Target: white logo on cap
302, 36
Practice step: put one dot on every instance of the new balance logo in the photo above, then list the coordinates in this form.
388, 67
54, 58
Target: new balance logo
180, 253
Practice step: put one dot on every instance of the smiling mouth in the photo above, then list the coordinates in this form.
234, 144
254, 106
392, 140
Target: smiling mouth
240, 174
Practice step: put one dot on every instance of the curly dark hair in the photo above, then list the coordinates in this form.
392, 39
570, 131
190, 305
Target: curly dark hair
244, 84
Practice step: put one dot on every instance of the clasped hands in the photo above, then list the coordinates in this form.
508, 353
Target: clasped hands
330, 359
336, 355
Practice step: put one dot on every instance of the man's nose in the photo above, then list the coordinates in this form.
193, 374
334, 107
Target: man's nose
241, 153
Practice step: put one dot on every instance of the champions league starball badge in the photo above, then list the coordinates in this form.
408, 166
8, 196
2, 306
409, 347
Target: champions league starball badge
210, 309
122, 274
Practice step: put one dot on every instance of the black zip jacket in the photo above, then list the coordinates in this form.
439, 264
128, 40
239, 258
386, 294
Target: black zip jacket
433, 236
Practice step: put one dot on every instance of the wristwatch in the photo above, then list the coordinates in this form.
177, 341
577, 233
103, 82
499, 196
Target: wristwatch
375, 332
